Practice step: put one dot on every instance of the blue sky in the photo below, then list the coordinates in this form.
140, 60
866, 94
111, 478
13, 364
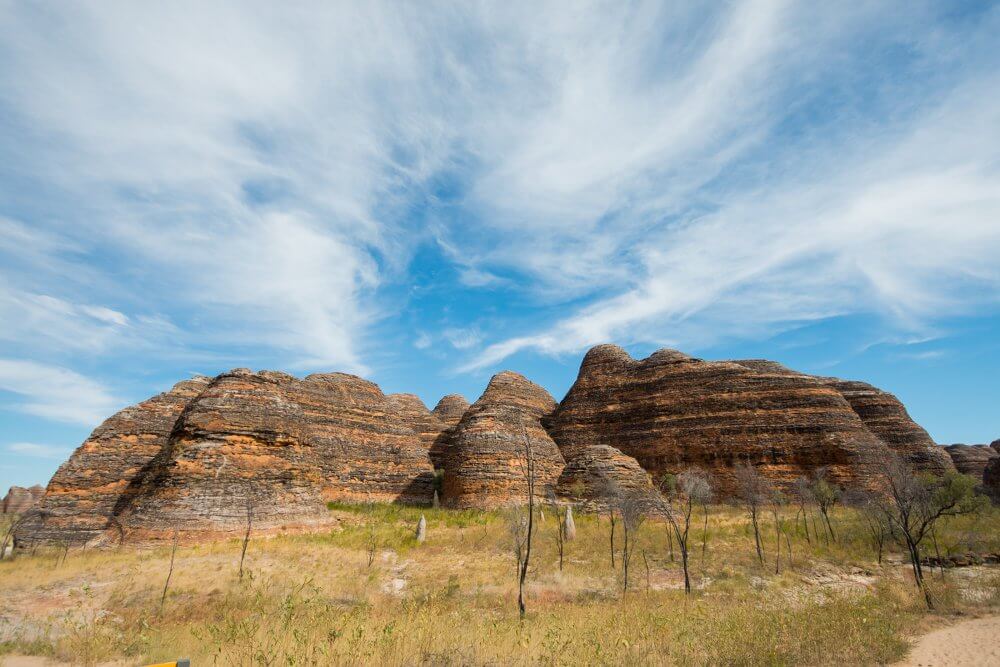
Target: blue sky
428, 193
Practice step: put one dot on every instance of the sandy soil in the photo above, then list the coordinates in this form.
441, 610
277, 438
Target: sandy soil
967, 643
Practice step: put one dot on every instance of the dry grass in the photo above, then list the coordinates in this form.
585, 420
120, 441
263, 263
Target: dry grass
313, 599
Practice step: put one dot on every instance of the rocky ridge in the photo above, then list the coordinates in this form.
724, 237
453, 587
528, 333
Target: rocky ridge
972, 460
209, 453
486, 458
19, 499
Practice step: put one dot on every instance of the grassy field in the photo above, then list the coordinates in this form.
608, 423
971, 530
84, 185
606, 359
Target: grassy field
315, 599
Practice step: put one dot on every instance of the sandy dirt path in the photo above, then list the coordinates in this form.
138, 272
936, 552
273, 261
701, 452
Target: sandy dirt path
964, 644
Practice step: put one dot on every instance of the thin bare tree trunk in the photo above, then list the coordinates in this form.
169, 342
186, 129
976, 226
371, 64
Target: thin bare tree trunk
246, 537
170, 572
704, 536
531, 518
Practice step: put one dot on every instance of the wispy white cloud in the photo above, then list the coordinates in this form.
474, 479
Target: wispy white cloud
463, 339
38, 451
900, 222
40, 318
55, 393
243, 176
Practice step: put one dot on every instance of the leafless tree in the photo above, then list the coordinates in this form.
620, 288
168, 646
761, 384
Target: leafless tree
803, 497
611, 494
777, 501
826, 494
868, 505
529, 477
170, 572
560, 527
679, 500
246, 536
11, 530
632, 509
753, 491
914, 503
372, 543
517, 531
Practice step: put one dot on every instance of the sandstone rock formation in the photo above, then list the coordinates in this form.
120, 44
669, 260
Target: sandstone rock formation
485, 466
451, 408
991, 480
971, 459
201, 457
885, 416
98, 479
412, 411
210, 452
19, 499
670, 411
449, 411
595, 474
882, 413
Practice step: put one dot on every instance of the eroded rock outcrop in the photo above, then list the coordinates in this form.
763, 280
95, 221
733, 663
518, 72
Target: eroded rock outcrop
991, 480
671, 411
19, 499
449, 411
201, 457
412, 411
972, 459
485, 466
241, 448
885, 416
595, 475
101, 476
881, 412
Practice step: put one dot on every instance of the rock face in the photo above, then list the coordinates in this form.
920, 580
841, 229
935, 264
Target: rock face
451, 408
596, 473
882, 413
449, 411
486, 463
414, 413
670, 411
19, 499
210, 453
972, 459
201, 457
991, 480
99, 478
886, 417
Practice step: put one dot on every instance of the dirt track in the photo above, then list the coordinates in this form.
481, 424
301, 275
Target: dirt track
973, 642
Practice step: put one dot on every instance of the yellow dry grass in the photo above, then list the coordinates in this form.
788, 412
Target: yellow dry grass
314, 599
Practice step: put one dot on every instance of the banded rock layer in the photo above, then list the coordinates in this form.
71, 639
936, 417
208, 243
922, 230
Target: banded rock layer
204, 455
212, 452
972, 459
412, 412
670, 411
597, 474
19, 499
485, 465
100, 477
991, 480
